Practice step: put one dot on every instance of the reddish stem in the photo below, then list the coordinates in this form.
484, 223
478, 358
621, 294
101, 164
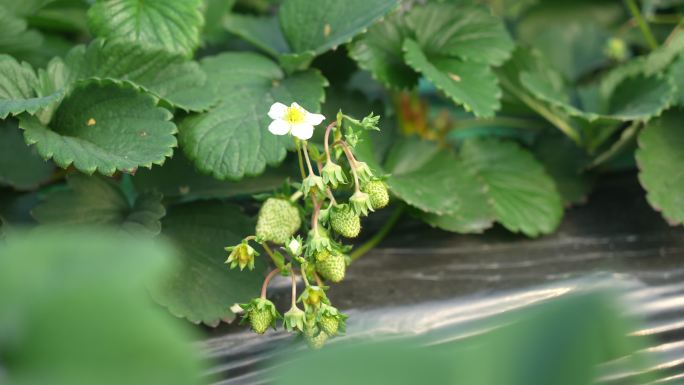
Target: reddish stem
352, 163
325, 141
267, 280
319, 282
314, 216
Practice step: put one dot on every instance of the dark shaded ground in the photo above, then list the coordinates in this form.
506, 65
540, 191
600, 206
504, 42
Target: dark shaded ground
419, 273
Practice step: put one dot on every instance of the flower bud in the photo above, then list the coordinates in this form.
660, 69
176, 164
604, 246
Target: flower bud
241, 255
360, 203
363, 171
333, 175
294, 319
312, 184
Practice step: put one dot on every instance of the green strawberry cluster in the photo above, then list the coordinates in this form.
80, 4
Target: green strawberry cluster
303, 231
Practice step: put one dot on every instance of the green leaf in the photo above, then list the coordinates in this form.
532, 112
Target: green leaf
67, 17
524, 197
204, 288
15, 37
104, 127
93, 200
575, 48
473, 214
470, 33
232, 139
526, 60
640, 98
169, 76
172, 25
20, 166
261, 31
635, 98
661, 161
18, 92
177, 178
454, 47
24, 7
214, 13
565, 163
326, 24
677, 74
652, 64
470, 84
76, 312
380, 51
436, 182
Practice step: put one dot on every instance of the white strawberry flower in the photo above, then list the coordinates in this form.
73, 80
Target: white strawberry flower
293, 120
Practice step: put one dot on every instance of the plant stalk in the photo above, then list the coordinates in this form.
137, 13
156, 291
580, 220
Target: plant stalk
643, 25
299, 157
326, 139
294, 287
269, 252
267, 280
352, 163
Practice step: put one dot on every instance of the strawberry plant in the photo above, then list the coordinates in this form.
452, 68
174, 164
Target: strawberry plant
258, 135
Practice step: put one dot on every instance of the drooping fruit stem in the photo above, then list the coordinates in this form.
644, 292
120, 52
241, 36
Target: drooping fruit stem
352, 163
269, 252
327, 137
319, 281
301, 271
294, 197
308, 161
267, 280
314, 215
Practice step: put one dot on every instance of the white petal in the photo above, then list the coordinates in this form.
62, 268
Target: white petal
277, 111
297, 106
314, 119
303, 131
279, 127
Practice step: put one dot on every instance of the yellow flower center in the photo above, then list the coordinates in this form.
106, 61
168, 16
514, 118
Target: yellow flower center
294, 115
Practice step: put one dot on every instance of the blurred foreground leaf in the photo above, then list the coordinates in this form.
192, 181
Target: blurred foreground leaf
73, 311
560, 342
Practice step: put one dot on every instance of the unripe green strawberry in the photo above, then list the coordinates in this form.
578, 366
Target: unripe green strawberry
330, 320
321, 255
332, 268
315, 341
278, 221
261, 314
329, 325
379, 197
345, 221
260, 320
